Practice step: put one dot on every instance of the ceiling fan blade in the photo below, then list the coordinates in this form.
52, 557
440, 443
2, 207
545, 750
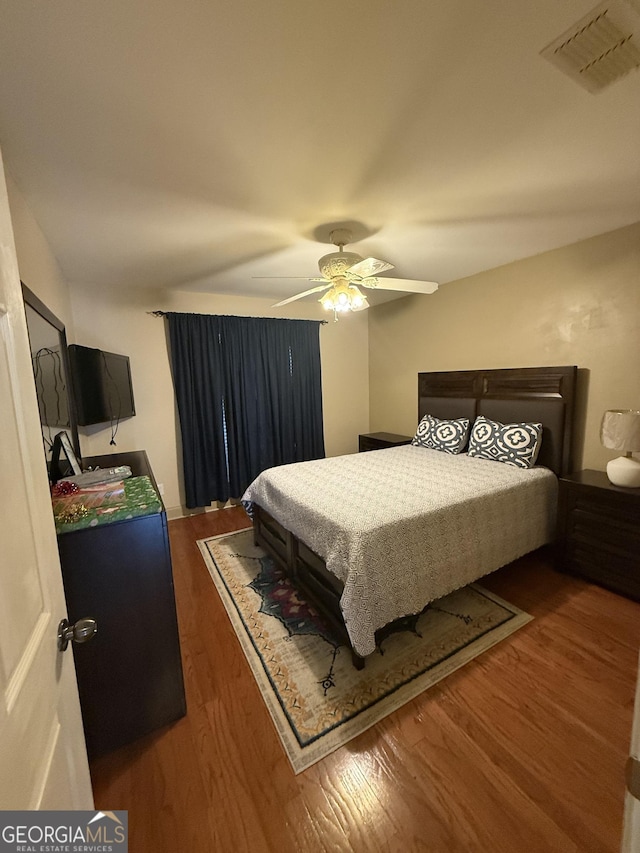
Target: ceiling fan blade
403, 285
300, 295
290, 278
369, 267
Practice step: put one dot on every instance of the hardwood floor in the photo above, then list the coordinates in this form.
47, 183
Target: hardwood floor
521, 750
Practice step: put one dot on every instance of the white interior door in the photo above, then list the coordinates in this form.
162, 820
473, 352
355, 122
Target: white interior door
43, 760
631, 837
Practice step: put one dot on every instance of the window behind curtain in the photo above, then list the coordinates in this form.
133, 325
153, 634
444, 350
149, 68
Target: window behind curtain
249, 397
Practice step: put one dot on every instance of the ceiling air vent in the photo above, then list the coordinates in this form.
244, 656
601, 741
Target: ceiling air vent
601, 47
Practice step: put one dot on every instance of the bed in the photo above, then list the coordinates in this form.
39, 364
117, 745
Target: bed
372, 538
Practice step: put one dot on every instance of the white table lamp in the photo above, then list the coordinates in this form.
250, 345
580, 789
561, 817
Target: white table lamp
620, 430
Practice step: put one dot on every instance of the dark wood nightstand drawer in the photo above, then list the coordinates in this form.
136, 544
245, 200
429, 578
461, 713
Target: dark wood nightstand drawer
599, 531
380, 440
608, 567
607, 531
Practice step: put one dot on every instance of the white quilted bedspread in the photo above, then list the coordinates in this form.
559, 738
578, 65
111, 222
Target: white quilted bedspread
406, 525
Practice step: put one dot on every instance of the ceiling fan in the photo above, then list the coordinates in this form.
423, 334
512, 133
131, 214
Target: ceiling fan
343, 273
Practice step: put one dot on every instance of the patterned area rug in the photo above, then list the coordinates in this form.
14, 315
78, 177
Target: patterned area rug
316, 698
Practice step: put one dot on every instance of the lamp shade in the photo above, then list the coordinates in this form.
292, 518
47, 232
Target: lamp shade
620, 430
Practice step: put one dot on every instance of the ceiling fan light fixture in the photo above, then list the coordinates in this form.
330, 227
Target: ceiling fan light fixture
343, 297
327, 301
357, 298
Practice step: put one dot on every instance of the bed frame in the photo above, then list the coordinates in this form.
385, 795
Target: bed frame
538, 394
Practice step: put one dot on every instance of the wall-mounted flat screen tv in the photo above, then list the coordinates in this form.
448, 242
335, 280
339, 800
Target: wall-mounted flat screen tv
102, 385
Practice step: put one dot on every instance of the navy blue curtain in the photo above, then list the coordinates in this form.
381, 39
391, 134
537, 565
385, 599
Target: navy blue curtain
249, 397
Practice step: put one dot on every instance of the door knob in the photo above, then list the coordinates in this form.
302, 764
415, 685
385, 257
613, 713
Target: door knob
82, 631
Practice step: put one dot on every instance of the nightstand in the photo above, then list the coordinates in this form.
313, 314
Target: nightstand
378, 440
599, 531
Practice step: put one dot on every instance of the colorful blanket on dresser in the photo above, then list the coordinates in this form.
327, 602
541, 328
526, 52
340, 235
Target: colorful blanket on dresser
105, 504
407, 525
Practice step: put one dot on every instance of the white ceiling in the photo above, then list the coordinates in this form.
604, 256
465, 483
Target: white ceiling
194, 144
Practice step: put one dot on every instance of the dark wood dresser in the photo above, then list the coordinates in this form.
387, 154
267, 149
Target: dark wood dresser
599, 531
130, 673
379, 440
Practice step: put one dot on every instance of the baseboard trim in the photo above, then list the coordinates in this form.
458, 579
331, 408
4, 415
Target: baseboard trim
174, 512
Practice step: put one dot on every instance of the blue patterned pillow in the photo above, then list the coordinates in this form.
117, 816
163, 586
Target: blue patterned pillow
450, 436
514, 444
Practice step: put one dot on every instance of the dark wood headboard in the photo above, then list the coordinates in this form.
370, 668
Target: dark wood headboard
509, 395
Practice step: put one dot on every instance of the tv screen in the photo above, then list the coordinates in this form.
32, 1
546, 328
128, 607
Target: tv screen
101, 384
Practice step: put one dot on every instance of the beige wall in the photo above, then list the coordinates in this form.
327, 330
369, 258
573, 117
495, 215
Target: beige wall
39, 269
119, 322
575, 305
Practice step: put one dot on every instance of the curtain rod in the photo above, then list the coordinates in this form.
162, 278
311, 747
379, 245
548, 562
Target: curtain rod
164, 314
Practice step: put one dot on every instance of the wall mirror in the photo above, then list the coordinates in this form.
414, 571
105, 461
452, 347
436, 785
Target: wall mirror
49, 358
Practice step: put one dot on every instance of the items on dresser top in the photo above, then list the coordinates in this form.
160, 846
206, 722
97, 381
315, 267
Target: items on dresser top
99, 476
105, 503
